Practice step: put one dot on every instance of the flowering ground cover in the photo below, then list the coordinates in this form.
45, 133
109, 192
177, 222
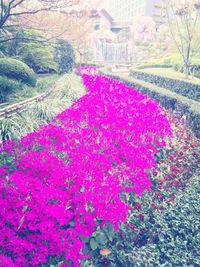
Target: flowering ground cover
69, 187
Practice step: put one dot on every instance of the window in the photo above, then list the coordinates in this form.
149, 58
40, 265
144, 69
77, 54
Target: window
97, 27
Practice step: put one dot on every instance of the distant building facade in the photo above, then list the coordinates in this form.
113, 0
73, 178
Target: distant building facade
126, 10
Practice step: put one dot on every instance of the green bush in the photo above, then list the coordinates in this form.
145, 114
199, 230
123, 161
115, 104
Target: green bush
187, 89
178, 65
17, 70
39, 58
8, 86
64, 56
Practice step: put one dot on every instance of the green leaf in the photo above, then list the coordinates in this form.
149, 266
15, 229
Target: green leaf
109, 229
93, 244
101, 238
84, 239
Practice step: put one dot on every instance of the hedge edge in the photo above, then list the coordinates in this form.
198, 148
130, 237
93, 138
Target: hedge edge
187, 89
185, 111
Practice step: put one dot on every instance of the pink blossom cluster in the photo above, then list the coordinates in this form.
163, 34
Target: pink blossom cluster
70, 175
86, 70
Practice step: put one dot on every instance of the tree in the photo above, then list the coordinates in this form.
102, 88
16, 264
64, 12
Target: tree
142, 33
13, 12
143, 29
183, 18
64, 56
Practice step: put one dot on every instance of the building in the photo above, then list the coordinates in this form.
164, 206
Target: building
101, 18
126, 10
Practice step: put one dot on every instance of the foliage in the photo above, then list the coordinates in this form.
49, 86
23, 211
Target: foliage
185, 109
194, 67
183, 21
17, 70
143, 29
25, 92
86, 70
160, 229
7, 87
173, 61
190, 90
32, 49
39, 58
64, 56
154, 65
13, 91
15, 47
179, 226
174, 235
66, 90
91, 149
167, 61
15, 14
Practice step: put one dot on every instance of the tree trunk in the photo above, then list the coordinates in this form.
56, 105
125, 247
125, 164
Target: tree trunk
186, 70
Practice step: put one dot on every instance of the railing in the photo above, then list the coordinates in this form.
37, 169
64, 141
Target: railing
8, 111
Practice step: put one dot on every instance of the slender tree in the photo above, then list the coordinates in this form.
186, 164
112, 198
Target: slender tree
183, 19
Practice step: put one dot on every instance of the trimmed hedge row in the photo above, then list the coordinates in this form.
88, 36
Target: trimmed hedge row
192, 118
146, 66
15, 69
187, 89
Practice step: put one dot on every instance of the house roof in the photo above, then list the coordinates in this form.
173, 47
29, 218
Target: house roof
106, 14
94, 13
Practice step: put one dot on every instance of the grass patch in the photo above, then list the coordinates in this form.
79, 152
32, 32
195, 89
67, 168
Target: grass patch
26, 92
67, 89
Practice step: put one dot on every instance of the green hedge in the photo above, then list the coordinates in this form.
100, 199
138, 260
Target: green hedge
8, 86
169, 102
146, 66
187, 89
15, 69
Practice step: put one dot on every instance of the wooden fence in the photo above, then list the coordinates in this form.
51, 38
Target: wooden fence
9, 110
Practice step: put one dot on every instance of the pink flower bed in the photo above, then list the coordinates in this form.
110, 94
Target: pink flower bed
70, 176
86, 70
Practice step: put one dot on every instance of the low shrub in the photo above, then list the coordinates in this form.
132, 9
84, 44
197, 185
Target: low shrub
178, 65
8, 86
184, 110
15, 69
146, 66
190, 90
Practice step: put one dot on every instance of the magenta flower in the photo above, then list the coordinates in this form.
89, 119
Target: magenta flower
72, 172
